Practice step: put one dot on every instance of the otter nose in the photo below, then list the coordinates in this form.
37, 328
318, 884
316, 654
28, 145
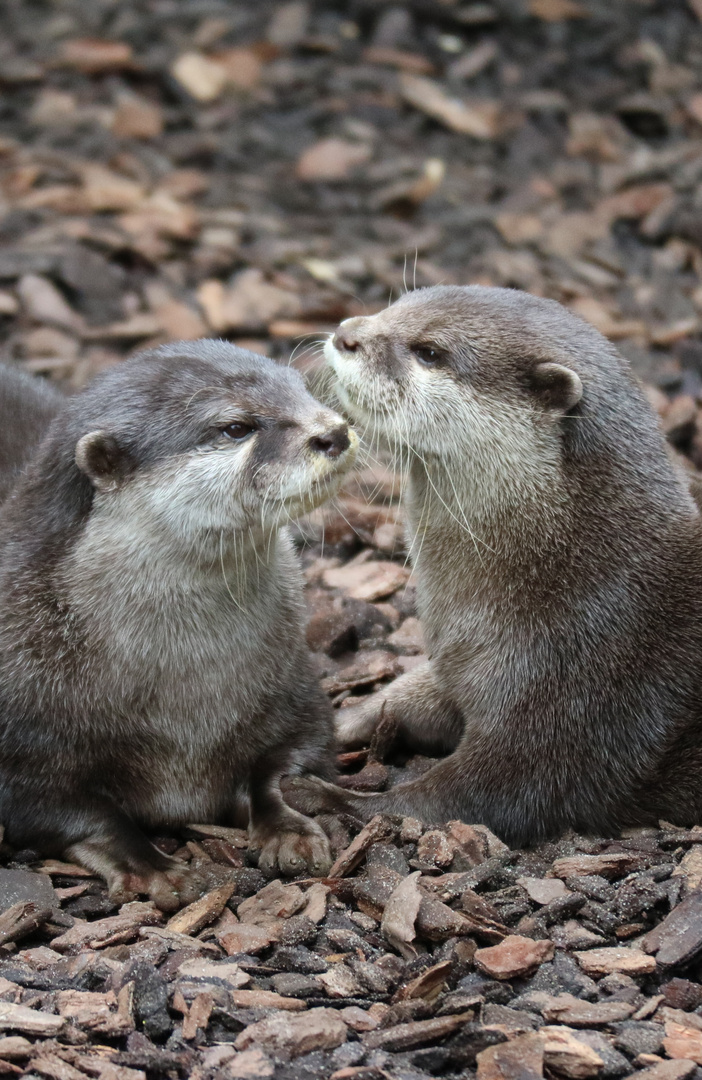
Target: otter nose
346, 340
347, 337
333, 443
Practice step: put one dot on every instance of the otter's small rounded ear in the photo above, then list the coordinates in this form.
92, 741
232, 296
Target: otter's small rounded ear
102, 459
557, 387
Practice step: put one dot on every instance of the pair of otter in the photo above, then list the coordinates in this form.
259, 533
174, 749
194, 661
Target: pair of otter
151, 661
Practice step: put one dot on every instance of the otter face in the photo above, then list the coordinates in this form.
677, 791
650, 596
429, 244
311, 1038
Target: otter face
452, 370
205, 438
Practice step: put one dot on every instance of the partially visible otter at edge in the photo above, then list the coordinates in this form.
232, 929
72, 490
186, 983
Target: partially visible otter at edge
558, 559
153, 670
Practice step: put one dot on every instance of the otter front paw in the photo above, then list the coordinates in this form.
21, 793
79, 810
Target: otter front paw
169, 889
355, 725
294, 849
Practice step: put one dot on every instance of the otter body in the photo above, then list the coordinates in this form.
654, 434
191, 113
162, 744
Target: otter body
558, 555
27, 407
152, 661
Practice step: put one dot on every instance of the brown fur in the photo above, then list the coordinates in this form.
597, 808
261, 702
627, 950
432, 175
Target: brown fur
152, 661
558, 555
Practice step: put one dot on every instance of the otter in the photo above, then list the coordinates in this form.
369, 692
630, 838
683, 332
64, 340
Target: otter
153, 670
558, 559
27, 407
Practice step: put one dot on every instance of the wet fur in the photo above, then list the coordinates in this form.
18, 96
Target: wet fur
558, 559
152, 661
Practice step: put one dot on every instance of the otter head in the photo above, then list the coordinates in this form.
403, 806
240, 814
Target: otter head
454, 371
203, 439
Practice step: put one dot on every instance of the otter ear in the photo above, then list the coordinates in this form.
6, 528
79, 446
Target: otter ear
557, 387
102, 459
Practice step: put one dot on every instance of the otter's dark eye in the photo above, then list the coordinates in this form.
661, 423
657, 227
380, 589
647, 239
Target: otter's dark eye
429, 355
238, 430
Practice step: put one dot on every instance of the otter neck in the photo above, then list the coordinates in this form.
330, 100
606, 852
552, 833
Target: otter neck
485, 517
111, 556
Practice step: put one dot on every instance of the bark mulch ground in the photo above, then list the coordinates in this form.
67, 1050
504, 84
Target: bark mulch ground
181, 168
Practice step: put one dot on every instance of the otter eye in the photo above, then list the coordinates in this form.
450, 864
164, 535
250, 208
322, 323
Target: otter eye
238, 430
428, 355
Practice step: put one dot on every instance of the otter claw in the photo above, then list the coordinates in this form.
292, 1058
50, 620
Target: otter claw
292, 852
169, 889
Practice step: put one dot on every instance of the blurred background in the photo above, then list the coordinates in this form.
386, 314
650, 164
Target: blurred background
178, 168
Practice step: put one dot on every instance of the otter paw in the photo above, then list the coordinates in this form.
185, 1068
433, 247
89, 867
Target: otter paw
294, 852
169, 889
355, 725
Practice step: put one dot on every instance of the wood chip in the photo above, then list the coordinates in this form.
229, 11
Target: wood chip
198, 1015
236, 837
114, 930
607, 866
20, 1018
480, 119
316, 901
340, 982
608, 961
678, 939
331, 159
678, 1069
414, 1034
94, 1012
265, 999
22, 919
428, 985
401, 910
291, 1036
202, 912
567, 1009
543, 890
203, 77
136, 118
556, 10
568, 1055
683, 1042
274, 901
93, 56
44, 303
690, 869
249, 939
367, 579
519, 1059
51, 1065
379, 828
513, 957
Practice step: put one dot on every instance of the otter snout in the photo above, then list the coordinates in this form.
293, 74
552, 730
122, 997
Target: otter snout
332, 443
348, 337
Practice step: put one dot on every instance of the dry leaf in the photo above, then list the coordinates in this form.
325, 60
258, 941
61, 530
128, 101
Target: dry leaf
479, 118
555, 10
136, 118
107, 190
250, 303
242, 67
331, 159
202, 77
93, 55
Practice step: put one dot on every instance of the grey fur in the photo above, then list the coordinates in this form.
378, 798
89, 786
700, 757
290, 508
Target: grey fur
558, 555
152, 661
